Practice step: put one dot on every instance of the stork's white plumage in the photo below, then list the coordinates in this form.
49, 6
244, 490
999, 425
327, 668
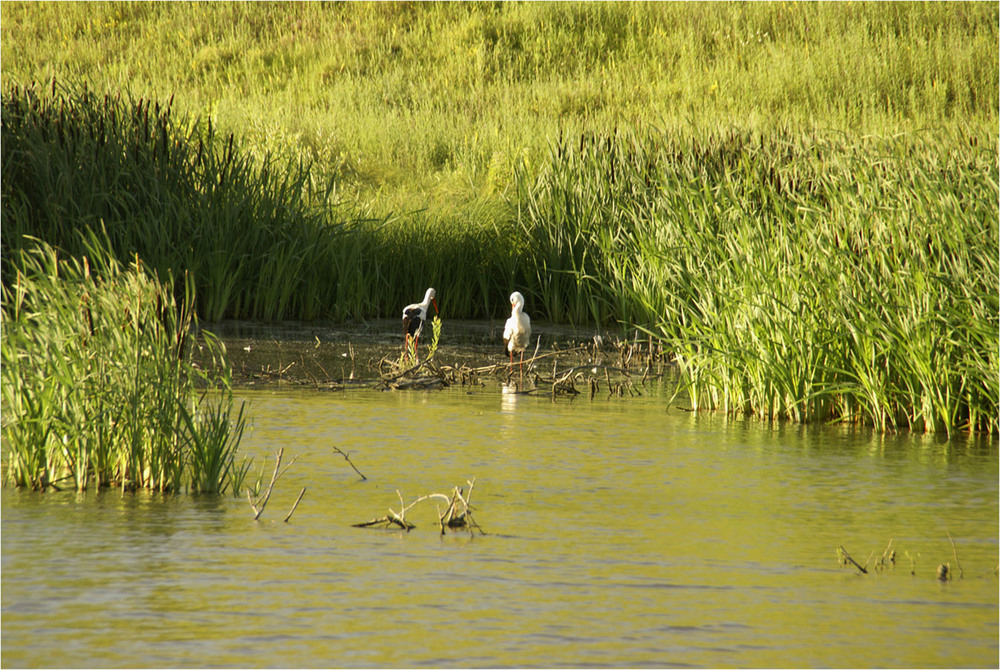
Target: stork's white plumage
413, 319
517, 330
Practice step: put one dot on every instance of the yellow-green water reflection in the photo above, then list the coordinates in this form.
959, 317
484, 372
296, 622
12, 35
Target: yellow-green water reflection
619, 534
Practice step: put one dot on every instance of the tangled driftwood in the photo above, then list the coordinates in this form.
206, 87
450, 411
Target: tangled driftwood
424, 375
458, 513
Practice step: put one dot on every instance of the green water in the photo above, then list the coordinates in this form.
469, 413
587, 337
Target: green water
620, 532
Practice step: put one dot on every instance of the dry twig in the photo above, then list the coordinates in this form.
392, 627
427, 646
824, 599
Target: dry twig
274, 477
347, 458
846, 558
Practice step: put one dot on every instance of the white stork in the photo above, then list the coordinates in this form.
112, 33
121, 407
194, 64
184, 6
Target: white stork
413, 319
517, 330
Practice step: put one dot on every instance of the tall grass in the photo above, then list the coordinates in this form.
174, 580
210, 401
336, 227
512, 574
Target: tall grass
410, 105
801, 277
257, 241
77, 161
100, 387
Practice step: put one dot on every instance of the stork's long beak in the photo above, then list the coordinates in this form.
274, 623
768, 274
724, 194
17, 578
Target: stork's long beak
435, 305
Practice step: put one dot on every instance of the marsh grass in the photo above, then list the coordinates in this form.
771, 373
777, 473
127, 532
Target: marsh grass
99, 383
800, 199
75, 161
797, 277
257, 241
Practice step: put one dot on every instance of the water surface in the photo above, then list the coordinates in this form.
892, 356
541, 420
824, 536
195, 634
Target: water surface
620, 532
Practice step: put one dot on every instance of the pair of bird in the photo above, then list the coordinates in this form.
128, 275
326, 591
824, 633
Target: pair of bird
516, 332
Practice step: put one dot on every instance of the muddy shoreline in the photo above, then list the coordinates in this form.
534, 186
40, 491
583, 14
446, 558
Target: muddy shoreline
339, 356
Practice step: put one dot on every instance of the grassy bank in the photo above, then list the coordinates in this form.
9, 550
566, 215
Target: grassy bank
411, 105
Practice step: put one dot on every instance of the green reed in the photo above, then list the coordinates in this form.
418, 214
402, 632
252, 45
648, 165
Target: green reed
179, 197
100, 387
795, 276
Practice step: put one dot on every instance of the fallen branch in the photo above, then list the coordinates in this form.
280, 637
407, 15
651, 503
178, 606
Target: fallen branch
274, 477
347, 458
845, 557
451, 518
502, 367
387, 520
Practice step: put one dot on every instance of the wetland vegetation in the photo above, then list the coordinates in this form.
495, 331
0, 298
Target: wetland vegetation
799, 201
100, 387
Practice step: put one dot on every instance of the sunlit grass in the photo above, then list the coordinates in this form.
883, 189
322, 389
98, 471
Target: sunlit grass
100, 387
795, 277
407, 105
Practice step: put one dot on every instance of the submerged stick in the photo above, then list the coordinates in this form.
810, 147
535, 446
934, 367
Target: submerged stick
847, 557
961, 572
347, 458
292, 511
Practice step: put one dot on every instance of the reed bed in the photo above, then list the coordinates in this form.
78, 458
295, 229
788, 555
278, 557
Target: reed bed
179, 197
99, 383
794, 276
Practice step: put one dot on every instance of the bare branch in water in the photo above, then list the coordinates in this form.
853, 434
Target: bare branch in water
847, 559
348, 459
292, 511
274, 477
458, 514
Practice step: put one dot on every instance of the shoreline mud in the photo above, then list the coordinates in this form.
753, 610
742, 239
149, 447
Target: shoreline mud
339, 356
